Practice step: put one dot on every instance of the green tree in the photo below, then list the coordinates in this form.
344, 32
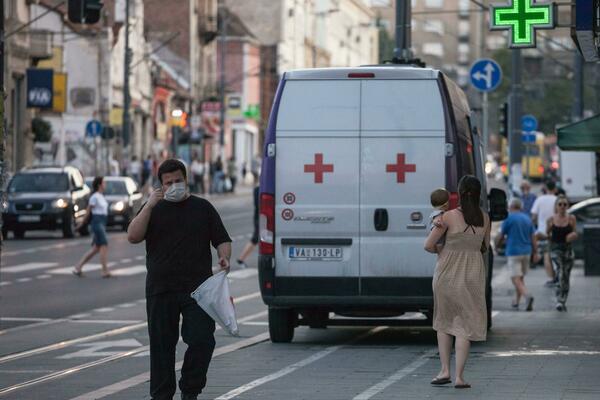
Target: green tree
42, 130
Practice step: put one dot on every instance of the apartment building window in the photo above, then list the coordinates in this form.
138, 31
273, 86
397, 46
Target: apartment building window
434, 26
462, 76
433, 49
414, 24
464, 30
434, 3
496, 42
463, 53
463, 8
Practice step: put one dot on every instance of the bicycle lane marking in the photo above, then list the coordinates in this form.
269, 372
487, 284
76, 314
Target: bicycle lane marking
291, 368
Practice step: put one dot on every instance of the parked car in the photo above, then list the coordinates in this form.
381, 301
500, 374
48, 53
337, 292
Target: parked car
45, 198
124, 199
586, 212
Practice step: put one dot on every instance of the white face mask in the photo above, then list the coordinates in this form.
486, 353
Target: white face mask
176, 192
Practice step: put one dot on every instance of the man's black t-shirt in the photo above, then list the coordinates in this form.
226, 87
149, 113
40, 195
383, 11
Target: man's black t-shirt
178, 242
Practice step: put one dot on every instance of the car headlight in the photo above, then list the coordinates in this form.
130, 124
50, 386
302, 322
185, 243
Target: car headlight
60, 203
118, 206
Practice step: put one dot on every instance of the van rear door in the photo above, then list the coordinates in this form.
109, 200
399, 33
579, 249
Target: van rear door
402, 150
317, 188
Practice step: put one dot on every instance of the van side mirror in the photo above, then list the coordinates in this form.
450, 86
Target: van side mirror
498, 205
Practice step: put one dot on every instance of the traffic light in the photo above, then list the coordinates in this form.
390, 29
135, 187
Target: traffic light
503, 120
85, 11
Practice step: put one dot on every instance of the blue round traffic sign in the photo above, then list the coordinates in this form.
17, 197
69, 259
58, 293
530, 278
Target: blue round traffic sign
93, 128
529, 123
485, 75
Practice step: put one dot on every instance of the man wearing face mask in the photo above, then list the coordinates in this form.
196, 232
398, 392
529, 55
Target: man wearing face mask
178, 229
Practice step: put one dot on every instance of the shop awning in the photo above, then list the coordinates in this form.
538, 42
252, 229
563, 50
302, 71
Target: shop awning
581, 136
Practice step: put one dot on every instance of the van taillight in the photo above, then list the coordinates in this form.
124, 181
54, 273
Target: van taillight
361, 75
453, 200
267, 224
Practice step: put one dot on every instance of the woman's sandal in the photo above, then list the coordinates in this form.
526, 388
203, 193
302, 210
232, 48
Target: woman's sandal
441, 381
107, 275
78, 274
462, 386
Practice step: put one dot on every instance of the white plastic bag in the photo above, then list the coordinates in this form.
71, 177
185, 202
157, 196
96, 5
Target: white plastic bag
214, 298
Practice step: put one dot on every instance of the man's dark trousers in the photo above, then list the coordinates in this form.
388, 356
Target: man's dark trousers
197, 332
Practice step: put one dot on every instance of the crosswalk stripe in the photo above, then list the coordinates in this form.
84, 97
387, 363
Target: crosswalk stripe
28, 267
243, 273
86, 268
136, 269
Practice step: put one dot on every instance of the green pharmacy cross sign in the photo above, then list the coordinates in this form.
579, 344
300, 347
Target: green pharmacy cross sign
522, 18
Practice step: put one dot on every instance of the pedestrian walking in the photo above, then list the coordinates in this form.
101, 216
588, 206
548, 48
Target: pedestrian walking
232, 173
98, 211
561, 229
135, 170
146, 169
541, 211
241, 260
527, 197
519, 233
197, 168
178, 229
459, 308
219, 176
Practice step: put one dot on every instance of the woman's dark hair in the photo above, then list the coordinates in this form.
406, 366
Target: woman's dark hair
171, 165
469, 190
97, 183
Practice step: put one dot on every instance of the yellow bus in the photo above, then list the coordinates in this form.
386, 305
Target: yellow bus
535, 168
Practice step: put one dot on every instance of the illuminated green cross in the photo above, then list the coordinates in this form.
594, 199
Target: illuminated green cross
522, 18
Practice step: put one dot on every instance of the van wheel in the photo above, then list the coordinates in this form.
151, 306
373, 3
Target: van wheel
281, 325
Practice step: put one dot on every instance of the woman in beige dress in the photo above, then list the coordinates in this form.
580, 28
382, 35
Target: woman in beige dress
459, 280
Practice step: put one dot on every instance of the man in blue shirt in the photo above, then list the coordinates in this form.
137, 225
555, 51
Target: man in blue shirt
527, 197
519, 232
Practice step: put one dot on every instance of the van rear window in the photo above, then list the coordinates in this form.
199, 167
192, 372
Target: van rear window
323, 105
401, 105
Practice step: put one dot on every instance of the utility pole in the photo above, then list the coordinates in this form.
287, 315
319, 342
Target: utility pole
126, 95
515, 111
403, 30
577, 112
223, 16
1, 110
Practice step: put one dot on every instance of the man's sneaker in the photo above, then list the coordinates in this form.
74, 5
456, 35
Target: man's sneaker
529, 303
561, 307
241, 264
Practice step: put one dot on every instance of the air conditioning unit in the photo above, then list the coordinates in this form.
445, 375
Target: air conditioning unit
40, 44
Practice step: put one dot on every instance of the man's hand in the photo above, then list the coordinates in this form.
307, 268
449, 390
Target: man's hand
155, 197
224, 264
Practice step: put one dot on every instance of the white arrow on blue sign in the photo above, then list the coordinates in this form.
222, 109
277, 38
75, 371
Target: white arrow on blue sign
93, 128
485, 75
529, 123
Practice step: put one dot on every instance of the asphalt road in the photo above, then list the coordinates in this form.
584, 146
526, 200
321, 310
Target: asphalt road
73, 339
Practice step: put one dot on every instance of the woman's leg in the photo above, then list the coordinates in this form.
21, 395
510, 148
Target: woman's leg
103, 259
86, 257
565, 276
445, 349
462, 347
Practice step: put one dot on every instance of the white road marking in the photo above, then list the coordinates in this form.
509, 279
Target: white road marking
24, 319
379, 387
47, 247
86, 268
44, 276
495, 313
524, 353
136, 269
98, 349
243, 273
139, 258
291, 368
144, 377
255, 323
5, 283
126, 305
22, 280
246, 297
104, 309
126, 260
78, 316
28, 267
106, 321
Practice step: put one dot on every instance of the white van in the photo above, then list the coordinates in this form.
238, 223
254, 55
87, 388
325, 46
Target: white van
351, 157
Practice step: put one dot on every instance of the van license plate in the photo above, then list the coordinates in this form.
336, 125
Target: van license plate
29, 218
315, 253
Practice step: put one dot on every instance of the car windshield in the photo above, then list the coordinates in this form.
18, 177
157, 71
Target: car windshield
115, 187
39, 183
